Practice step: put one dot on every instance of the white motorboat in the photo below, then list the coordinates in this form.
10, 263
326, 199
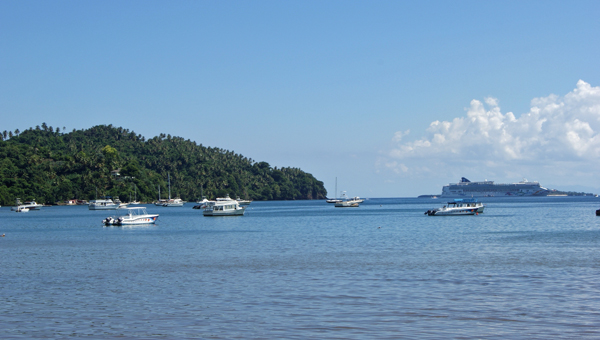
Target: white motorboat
21, 209
135, 215
31, 205
121, 204
347, 202
204, 200
174, 202
223, 207
243, 202
203, 203
103, 204
464, 206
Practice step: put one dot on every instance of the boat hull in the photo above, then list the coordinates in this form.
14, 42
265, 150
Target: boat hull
346, 205
103, 207
452, 212
459, 207
126, 220
149, 219
33, 206
237, 212
173, 205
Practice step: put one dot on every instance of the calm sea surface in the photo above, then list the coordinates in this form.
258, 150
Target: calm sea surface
527, 268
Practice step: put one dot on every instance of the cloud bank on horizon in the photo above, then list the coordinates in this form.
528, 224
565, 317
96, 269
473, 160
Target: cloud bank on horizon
559, 136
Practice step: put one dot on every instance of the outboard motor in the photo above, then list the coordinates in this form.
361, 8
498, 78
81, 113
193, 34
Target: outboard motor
108, 221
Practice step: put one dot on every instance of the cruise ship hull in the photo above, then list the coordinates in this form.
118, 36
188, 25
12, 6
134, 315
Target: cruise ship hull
466, 188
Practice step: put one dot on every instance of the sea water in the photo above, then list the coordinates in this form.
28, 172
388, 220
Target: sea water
527, 268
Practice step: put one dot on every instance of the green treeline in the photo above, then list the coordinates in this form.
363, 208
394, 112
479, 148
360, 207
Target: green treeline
49, 166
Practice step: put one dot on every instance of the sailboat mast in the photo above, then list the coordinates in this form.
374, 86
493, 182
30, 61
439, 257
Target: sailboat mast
169, 176
336, 187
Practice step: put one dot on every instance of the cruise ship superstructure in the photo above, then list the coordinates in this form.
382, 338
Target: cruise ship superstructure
466, 188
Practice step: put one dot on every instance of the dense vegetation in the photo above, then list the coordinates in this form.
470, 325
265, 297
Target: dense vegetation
48, 165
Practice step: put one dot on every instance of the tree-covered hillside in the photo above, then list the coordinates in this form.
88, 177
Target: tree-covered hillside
48, 165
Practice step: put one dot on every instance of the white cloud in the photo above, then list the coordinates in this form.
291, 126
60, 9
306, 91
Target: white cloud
558, 135
399, 134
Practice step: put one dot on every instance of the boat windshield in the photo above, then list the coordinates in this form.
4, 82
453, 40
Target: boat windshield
137, 211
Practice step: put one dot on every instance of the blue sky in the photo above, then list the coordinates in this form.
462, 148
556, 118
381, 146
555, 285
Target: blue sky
394, 98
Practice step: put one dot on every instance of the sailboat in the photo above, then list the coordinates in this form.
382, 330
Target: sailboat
334, 200
160, 201
173, 202
135, 201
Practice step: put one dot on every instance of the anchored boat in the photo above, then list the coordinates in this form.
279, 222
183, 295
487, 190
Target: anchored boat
462, 206
135, 215
224, 207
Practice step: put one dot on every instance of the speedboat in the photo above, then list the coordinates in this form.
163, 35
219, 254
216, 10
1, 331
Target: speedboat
243, 202
121, 204
203, 203
135, 215
103, 204
224, 208
463, 206
31, 205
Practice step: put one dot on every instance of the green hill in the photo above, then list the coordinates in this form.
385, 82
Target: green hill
50, 166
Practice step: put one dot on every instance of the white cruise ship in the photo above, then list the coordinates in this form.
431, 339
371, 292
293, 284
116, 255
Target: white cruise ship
466, 188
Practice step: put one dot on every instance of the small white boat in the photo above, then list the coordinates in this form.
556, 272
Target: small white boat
103, 204
174, 202
462, 206
203, 203
135, 201
160, 201
135, 215
334, 200
21, 209
347, 202
31, 205
243, 202
224, 208
121, 204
